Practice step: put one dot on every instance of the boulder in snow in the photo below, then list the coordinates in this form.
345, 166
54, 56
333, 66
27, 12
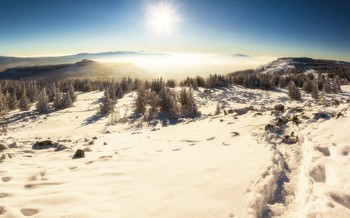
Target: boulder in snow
79, 154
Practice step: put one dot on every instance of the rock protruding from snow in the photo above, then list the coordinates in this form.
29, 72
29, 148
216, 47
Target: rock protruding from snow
79, 154
5, 156
3, 147
43, 144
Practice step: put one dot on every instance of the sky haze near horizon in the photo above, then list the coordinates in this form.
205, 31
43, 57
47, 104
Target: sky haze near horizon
271, 28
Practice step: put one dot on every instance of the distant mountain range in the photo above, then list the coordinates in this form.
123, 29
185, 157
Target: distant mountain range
88, 65
13, 62
84, 68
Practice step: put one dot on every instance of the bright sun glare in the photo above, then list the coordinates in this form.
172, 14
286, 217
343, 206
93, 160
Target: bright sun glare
162, 18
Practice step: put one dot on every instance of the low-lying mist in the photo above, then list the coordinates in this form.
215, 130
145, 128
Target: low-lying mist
178, 66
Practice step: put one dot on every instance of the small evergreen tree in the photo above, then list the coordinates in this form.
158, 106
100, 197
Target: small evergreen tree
336, 85
23, 101
3, 104
67, 101
140, 101
168, 104
42, 105
307, 86
71, 92
327, 86
107, 105
218, 109
13, 102
293, 91
315, 93
189, 107
57, 103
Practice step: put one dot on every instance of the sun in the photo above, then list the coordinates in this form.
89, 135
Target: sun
162, 18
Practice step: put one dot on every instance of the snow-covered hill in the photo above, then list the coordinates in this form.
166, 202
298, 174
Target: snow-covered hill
296, 65
254, 160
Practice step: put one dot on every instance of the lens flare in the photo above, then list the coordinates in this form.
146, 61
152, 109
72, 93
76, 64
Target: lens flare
162, 18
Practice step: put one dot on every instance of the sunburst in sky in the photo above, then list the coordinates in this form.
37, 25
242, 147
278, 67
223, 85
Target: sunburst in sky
162, 17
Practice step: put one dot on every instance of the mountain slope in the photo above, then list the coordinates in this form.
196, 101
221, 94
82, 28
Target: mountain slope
12, 62
302, 64
84, 68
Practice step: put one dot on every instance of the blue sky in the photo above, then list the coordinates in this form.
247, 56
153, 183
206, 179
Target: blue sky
276, 28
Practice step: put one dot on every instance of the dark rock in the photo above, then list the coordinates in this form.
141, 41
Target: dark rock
3, 147
281, 121
244, 110
335, 102
79, 154
235, 133
91, 142
321, 115
290, 139
295, 119
61, 148
43, 144
305, 117
279, 107
225, 112
5, 156
230, 111
94, 138
270, 128
339, 115
258, 114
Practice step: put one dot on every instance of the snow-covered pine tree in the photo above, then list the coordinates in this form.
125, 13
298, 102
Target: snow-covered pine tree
168, 104
107, 104
71, 92
24, 101
3, 103
57, 102
327, 86
293, 91
67, 100
218, 109
315, 93
13, 101
140, 102
42, 105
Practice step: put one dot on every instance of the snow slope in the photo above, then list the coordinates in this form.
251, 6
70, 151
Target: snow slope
196, 168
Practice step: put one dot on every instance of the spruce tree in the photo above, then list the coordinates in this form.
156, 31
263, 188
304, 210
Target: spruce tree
168, 104
336, 85
293, 91
13, 102
140, 101
3, 104
307, 86
42, 105
71, 92
327, 86
189, 107
315, 93
67, 100
107, 104
24, 101
218, 109
57, 103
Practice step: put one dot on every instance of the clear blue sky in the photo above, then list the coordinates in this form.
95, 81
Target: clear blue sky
318, 29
